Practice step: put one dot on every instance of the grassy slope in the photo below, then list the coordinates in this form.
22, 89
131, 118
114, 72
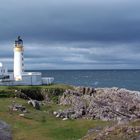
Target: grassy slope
61, 86
42, 125
35, 92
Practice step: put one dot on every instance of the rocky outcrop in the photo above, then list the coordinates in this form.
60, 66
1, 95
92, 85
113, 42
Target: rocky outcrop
17, 107
5, 131
101, 103
117, 132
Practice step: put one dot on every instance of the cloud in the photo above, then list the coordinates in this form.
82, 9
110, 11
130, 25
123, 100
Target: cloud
60, 34
75, 56
113, 20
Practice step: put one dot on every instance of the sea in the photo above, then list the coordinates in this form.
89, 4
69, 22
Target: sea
129, 79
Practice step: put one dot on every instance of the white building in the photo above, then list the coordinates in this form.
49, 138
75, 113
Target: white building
18, 59
19, 77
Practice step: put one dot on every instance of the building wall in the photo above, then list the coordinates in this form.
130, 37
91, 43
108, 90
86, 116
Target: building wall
17, 65
29, 80
26, 80
3, 70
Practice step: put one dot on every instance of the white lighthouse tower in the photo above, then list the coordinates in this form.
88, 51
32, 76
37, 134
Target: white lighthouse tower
18, 59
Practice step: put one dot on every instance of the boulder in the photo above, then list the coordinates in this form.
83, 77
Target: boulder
17, 107
54, 113
5, 131
21, 115
34, 103
64, 119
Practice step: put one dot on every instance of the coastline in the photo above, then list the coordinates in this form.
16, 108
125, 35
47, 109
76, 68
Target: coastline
128, 79
68, 107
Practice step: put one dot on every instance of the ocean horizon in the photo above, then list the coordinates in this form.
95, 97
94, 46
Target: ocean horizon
122, 78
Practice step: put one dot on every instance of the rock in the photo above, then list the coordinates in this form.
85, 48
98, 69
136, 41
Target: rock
138, 138
54, 113
122, 120
22, 95
47, 98
21, 115
128, 132
92, 130
17, 107
64, 119
25, 111
102, 103
110, 129
74, 116
5, 131
57, 116
34, 103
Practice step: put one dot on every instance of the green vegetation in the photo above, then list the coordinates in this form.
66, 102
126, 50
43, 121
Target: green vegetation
42, 125
35, 92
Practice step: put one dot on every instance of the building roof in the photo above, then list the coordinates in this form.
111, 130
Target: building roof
19, 40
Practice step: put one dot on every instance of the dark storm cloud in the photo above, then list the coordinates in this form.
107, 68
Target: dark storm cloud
58, 20
72, 34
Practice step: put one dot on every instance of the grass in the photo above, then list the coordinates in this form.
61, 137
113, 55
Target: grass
60, 86
42, 125
35, 92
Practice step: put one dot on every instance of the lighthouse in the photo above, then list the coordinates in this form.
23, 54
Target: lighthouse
18, 59
19, 77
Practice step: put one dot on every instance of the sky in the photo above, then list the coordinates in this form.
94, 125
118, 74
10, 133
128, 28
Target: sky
72, 34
